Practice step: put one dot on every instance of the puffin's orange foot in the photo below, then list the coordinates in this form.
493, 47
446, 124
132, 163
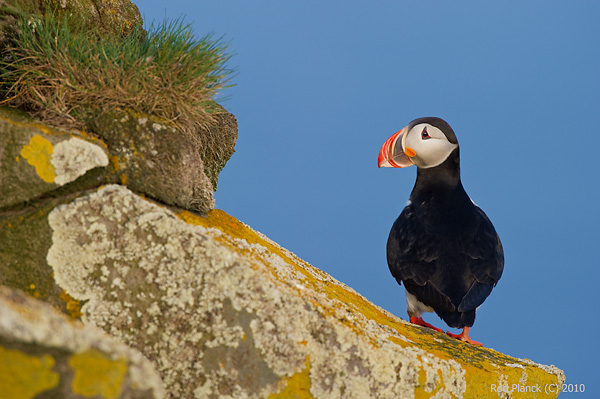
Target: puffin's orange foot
420, 322
464, 336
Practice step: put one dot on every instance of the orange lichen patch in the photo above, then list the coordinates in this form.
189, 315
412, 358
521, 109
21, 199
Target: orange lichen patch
514, 377
428, 386
45, 129
420, 388
91, 138
97, 375
297, 386
23, 123
222, 221
114, 161
23, 376
479, 364
123, 178
229, 225
38, 154
233, 228
33, 292
73, 305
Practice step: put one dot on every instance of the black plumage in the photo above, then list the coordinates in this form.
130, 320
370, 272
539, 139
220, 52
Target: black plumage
443, 247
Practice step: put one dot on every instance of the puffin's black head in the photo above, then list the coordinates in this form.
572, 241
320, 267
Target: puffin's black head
425, 142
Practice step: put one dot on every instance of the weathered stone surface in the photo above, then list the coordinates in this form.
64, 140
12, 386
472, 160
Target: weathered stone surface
42, 166
110, 17
36, 159
45, 353
153, 158
25, 238
145, 154
224, 312
218, 143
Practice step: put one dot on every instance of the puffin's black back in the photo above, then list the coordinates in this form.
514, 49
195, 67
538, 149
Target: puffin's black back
442, 246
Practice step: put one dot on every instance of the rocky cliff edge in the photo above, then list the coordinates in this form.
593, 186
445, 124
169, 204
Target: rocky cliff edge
220, 311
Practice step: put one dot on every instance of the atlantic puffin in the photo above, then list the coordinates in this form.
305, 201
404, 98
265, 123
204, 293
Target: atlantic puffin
443, 247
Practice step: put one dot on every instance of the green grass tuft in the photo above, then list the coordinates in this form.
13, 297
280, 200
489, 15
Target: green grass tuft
64, 73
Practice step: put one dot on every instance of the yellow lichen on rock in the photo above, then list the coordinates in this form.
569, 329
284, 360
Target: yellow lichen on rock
23, 376
263, 322
234, 229
224, 222
482, 368
38, 153
44, 353
97, 375
73, 305
297, 386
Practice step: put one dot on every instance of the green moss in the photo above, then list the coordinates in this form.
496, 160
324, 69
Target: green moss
23, 376
25, 238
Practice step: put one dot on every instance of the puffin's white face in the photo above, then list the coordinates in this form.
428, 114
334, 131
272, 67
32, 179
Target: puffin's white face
426, 145
423, 145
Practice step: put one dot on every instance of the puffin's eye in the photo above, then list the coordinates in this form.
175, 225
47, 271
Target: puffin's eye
424, 134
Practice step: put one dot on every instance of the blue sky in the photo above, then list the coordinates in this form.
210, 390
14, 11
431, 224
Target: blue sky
321, 85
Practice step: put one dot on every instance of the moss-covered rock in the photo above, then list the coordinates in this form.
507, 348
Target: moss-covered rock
217, 143
36, 159
144, 153
225, 312
45, 354
43, 166
109, 17
25, 238
153, 158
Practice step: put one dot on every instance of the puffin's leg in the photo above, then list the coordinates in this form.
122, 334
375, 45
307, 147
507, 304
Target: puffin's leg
420, 322
464, 336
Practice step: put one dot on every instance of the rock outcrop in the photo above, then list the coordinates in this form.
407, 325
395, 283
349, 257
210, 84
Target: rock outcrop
136, 150
182, 171
42, 351
114, 17
225, 312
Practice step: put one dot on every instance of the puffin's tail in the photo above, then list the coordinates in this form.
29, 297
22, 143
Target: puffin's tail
458, 319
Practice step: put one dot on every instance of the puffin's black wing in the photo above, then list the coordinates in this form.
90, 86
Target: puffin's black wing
449, 270
485, 260
412, 255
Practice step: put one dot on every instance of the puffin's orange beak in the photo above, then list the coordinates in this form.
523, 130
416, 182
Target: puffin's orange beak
393, 154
